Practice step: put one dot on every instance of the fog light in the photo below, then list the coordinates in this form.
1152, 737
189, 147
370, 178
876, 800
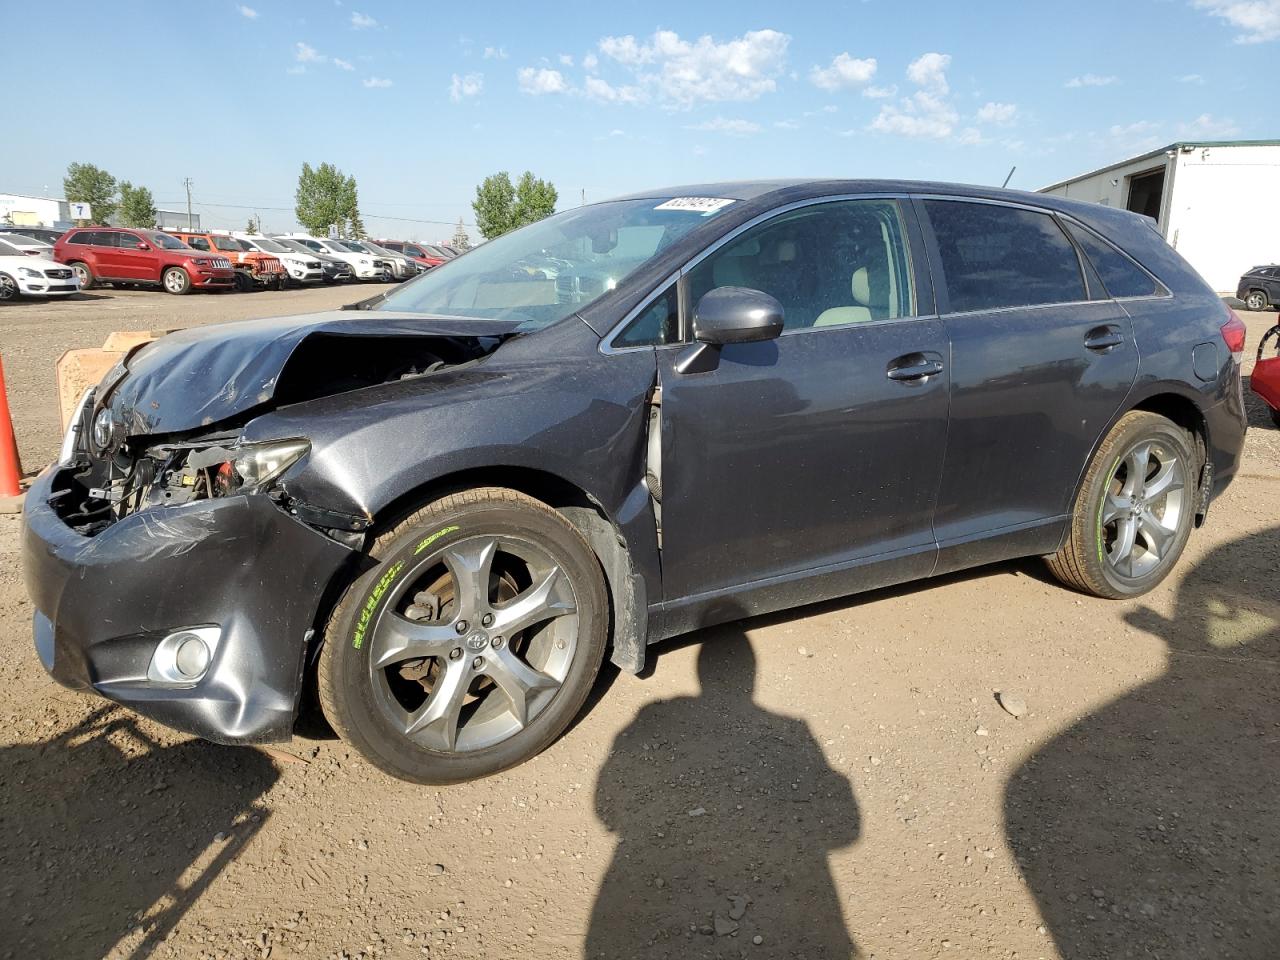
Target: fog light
184, 655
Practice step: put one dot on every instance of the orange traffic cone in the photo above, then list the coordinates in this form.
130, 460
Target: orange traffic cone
10, 468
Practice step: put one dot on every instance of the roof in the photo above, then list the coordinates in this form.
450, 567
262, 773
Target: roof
824, 186
1175, 146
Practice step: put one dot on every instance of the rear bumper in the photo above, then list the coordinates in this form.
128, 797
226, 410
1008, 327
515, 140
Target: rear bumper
239, 563
1226, 422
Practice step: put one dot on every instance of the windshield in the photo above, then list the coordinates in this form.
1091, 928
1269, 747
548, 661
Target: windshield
548, 270
166, 242
269, 245
354, 246
293, 245
230, 243
374, 248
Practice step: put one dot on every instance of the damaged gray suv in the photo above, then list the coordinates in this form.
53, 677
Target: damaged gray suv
441, 508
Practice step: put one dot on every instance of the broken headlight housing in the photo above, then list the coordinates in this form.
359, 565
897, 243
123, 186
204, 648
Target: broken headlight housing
241, 467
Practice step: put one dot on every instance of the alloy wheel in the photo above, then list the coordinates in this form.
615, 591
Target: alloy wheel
82, 273
8, 288
1140, 515
1255, 301
175, 281
474, 644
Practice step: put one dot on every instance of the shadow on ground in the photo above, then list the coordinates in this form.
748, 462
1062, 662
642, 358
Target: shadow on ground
1151, 828
725, 815
107, 838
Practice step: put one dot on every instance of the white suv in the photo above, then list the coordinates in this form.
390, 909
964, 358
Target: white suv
301, 268
365, 265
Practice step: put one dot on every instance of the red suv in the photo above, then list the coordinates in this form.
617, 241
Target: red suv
141, 257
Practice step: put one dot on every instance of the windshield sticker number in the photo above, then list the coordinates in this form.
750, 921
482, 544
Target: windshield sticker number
702, 205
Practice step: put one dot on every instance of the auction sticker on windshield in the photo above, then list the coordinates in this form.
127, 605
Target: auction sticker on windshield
702, 205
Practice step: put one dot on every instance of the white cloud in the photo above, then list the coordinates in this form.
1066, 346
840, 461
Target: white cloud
735, 128
462, 87
566, 60
304, 53
1257, 20
1136, 137
786, 125
1191, 78
930, 72
1001, 114
590, 61
377, 83
247, 12
1208, 127
683, 72
537, 81
360, 21
597, 89
845, 71
881, 93
495, 53
1090, 80
342, 64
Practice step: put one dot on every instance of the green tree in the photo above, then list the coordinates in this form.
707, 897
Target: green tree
494, 205
326, 196
535, 199
251, 227
85, 183
137, 208
460, 239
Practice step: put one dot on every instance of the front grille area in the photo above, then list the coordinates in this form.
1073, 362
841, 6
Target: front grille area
59, 274
221, 262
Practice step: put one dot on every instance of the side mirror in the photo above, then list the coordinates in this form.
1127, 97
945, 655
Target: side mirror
142, 246
729, 315
736, 315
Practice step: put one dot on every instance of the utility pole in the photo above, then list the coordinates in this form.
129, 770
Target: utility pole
187, 183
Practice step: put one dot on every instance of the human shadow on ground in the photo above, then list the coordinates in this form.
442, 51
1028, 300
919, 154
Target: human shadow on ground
1151, 828
725, 815
107, 838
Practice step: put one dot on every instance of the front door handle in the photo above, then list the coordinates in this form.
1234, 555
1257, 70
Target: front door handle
1103, 339
914, 367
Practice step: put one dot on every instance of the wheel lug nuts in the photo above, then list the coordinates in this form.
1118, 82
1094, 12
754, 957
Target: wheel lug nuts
455, 653
487, 620
496, 642
460, 626
478, 663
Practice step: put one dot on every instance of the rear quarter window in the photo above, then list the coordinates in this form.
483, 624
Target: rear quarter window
994, 257
1120, 275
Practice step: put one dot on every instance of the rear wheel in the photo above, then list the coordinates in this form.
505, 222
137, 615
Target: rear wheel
1256, 300
176, 281
1135, 509
83, 274
471, 645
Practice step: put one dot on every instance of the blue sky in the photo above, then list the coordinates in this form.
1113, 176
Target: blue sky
421, 101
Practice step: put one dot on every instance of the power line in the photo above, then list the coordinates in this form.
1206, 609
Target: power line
246, 206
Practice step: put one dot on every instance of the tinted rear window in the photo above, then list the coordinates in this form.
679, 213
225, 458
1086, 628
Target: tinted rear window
1120, 275
995, 256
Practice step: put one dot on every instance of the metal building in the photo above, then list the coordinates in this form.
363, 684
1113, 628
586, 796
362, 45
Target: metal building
1216, 202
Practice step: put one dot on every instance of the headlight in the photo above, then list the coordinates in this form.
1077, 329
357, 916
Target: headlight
257, 464
366, 262
103, 427
28, 272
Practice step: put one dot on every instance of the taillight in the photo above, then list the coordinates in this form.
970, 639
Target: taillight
1233, 333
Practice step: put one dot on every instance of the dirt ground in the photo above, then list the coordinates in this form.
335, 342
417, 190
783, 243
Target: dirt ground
839, 780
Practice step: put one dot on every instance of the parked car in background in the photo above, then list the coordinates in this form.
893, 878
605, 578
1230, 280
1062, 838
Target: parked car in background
30, 246
402, 267
141, 258
445, 508
254, 268
424, 254
49, 235
25, 275
1259, 288
365, 265
302, 268
335, 270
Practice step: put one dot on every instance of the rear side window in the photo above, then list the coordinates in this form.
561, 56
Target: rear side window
80, 236
995, 256
1120, 275
657, 324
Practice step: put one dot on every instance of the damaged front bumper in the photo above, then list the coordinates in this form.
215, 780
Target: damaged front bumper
239, 563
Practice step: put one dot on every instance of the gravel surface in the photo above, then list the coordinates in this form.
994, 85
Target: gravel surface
984, 765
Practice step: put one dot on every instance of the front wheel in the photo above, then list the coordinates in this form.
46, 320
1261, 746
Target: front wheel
176, 281
8, 288
83, 274
1256, 300
473, 642
1134, 512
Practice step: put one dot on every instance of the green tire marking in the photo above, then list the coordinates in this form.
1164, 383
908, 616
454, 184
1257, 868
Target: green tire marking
1110, 475
432, 539
371, 604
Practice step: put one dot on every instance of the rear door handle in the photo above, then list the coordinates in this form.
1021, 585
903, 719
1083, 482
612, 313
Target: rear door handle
1103, 339
914, 367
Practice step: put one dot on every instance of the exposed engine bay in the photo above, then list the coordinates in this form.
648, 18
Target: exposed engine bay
117, 471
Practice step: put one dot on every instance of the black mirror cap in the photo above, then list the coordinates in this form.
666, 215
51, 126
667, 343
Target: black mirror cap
737, 315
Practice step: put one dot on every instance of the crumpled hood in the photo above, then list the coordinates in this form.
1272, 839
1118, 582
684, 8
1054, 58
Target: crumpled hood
202, 375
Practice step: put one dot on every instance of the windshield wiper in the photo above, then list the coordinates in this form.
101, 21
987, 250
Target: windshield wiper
366, 304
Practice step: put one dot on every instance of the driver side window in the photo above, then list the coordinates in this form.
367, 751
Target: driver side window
828, 264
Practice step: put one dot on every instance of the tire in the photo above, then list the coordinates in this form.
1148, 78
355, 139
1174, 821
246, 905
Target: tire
176, 281
244, 282
1255, 300
1112, 510
9, 291
512, 695
1275, 415
84, 274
